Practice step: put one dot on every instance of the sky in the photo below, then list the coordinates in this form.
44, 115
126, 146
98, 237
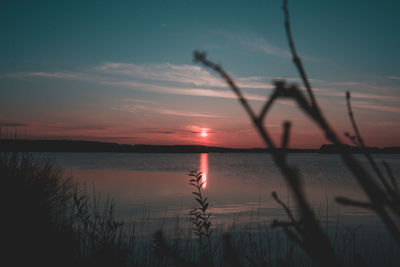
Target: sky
123, 71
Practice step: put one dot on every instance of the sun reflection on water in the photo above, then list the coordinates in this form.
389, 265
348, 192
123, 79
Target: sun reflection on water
204, 168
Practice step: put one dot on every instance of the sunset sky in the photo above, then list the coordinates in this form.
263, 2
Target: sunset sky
122, 71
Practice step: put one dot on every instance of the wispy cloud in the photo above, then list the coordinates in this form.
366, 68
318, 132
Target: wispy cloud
12, 124
193, 80
165, 111
356, 95
182, 74
394, 77
184, 91
177, 74
264, 46
384, 123
369, 105
253, 41
55, 75
154, 130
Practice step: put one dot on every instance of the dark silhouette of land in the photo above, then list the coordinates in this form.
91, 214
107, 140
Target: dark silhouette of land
24, 145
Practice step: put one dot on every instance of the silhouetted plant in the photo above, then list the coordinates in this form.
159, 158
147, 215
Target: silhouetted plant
310, 232
231, 256
390, 187
200, 218
51, 220
307, 230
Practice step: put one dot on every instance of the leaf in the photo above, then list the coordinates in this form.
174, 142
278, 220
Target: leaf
195, 185
197, 194
198, 200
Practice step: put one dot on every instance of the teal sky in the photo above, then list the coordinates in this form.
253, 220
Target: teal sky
122, 71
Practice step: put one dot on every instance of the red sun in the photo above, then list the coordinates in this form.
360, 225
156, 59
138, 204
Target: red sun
204, 133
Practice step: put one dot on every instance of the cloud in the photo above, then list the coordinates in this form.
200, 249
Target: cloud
369, 105
195, 129
185, 113
58, 75
177, 74
154, 130
163, 111
55, 75
384, 123
183, 74
394, 77
12, 124
253, 41
144, 77
184, 91
254, 82
193, 80
264, 46
355, 95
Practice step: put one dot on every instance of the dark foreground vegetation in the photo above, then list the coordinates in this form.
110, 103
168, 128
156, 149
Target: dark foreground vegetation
48, 220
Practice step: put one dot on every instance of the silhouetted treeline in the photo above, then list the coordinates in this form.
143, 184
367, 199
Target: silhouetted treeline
21, 145
357, 149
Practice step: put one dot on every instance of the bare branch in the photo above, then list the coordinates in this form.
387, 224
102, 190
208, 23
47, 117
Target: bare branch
353, 121
350, 202
391, 176
362, 145
286, 133
201, 57
324, 253
296, 58
293, 222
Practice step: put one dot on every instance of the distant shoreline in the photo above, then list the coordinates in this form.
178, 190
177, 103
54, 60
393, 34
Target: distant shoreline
25, 145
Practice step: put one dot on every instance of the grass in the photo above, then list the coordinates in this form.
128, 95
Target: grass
49, 220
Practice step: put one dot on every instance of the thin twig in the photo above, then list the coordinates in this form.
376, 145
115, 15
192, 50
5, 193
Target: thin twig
362, 144
391, 176
296, 58
350, 202
377, 196
312, 232
286, 133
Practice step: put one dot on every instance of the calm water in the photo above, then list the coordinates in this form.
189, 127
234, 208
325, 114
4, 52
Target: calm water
238, 185
152, 190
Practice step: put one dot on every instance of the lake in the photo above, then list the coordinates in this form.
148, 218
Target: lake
152, 191
238, 185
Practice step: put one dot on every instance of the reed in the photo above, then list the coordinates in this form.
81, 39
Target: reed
50, 220
200, 218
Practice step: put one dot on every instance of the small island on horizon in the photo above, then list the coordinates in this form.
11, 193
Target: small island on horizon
28, 145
